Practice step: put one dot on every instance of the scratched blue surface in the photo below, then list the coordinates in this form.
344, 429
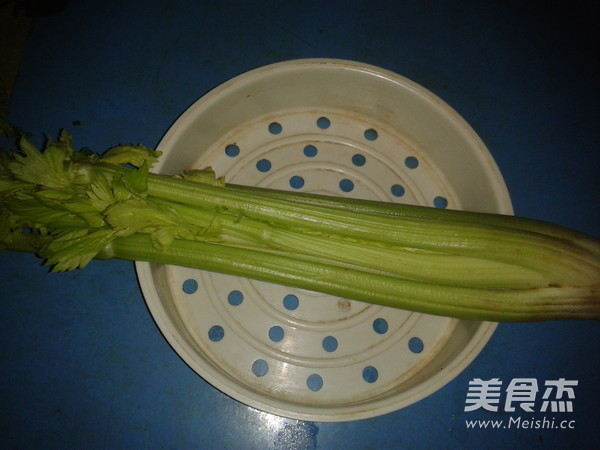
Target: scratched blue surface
83, 364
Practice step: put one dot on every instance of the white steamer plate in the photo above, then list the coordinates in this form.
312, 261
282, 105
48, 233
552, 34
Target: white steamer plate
340, 128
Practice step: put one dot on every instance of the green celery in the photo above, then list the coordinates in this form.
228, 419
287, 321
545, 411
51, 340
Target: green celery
465, 265
410, 263
563, 262
534, 304
402, 210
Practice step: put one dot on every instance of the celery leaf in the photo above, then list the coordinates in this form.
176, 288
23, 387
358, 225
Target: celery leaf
205, 176
75, 248
136, 214
136, 155
50, 168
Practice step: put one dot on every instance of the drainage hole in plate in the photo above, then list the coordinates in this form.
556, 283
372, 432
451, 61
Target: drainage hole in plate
260, 367
371, 134
310, 151
380, 326
235, 298
397, 190
264, 165
276, 333
314, 382
216, 333
323, 123
415, 345
275, 128
190, 286
370, 374
290, 302
330, 344
440, 202
297, 182
411, 162
232, 150
358, 160
346, 185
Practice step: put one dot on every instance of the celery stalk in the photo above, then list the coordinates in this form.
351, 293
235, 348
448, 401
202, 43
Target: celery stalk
563, 262
535, 304
410, 263
402, 210
82, 206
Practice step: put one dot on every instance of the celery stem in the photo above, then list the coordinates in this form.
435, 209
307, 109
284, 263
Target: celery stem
466, 303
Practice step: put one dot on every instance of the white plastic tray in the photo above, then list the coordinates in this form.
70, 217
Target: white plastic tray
334, 127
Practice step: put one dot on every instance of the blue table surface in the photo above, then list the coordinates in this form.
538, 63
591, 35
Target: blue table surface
83, 363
